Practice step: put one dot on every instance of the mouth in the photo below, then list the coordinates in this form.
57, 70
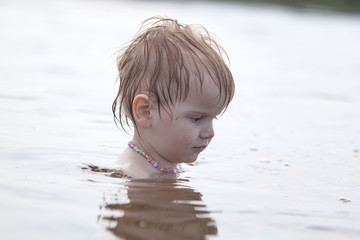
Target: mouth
200, 148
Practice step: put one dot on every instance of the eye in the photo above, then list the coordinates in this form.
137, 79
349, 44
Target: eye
197, 118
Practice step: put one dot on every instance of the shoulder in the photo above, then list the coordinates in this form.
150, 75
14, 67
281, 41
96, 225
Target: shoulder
133, 165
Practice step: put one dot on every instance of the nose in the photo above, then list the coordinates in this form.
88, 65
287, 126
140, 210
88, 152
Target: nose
208, 131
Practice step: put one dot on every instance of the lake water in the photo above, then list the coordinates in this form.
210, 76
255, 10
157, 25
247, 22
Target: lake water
285, 161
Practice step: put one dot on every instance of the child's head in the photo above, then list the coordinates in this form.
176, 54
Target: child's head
167, 68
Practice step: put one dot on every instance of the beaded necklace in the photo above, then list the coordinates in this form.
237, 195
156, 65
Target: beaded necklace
152, 162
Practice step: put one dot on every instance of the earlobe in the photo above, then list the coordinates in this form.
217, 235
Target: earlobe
141, 110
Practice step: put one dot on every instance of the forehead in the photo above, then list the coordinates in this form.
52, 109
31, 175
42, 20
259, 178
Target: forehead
204, 97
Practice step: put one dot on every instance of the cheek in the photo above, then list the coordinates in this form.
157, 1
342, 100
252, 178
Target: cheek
186, 135
180, 133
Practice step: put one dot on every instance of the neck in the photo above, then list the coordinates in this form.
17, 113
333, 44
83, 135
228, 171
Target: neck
152, 153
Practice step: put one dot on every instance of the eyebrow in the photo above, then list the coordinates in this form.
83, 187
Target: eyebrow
202, 113
198, 112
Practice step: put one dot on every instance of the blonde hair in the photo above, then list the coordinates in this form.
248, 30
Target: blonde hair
162, 60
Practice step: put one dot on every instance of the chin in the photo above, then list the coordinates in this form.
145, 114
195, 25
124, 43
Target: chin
190, 160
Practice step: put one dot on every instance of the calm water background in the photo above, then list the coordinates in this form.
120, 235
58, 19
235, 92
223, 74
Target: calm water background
285, 160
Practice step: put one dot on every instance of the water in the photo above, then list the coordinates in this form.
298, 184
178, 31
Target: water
284, 163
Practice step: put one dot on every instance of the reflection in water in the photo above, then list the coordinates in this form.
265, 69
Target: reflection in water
156, 209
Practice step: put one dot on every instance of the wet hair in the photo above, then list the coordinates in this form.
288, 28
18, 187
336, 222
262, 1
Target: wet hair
163, 61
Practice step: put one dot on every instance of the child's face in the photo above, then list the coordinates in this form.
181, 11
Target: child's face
183, 136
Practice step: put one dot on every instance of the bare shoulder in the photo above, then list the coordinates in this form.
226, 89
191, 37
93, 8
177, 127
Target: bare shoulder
133, 165
124, 159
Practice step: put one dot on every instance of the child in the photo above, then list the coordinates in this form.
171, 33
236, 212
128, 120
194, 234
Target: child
173, 83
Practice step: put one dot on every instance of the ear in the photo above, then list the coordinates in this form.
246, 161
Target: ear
141, 110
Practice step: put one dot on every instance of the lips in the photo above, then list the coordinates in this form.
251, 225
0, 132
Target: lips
200, 148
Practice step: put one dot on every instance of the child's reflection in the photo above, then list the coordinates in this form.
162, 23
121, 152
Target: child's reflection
157, 209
